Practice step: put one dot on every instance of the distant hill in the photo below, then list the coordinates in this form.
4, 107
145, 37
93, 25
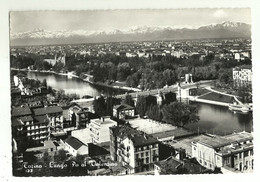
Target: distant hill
43, 37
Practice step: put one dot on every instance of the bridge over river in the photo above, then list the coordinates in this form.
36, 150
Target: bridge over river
174, 88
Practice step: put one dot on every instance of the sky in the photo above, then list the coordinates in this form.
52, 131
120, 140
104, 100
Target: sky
105, 20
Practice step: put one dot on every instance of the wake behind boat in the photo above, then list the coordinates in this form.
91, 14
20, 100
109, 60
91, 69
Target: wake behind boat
241, 108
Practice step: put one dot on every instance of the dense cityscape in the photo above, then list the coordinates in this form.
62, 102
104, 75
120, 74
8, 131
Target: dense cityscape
136, 107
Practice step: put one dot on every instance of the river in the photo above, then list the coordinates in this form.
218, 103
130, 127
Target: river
72, 85
213, 119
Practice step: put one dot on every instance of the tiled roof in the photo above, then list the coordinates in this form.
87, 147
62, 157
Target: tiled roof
172, 165
122, 107
47, 110
17, 122
41, 119
176, 133
74, 142
215, 142
26, 118
140, 140
21, 111
121, 131
168, 164
220, 141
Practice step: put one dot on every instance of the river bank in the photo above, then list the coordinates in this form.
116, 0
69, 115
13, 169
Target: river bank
71, 75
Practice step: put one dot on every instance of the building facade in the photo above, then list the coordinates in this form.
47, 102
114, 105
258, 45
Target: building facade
233, 153
99, 129
54, 114
242, 76
123, 110
133, 149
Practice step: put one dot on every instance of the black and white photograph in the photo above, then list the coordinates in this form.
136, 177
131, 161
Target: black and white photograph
120, 92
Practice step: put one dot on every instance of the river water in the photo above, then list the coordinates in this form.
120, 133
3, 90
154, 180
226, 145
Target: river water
72, 85
213, 119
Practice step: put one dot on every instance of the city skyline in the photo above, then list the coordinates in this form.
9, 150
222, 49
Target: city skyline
108, 20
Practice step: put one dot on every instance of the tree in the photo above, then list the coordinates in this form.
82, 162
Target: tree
61, 156
123, 71
180, 114
129, 100
169, 97
141, 106
154, 113
44, 83
100, 106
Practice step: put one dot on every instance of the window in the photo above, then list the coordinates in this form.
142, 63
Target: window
154, 152
205, 163
245, 153
147, 160
194, 148
142, 154
147, 153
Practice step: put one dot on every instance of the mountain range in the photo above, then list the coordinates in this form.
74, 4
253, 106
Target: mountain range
44, 37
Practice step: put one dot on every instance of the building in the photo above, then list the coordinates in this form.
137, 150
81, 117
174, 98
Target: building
172, 165
78, 116
54, 114
230, 153
172, 135
75, 147
60, 59
36, 129
49, 146
123, 110
242, 76
133, 149
99, 129
237, 56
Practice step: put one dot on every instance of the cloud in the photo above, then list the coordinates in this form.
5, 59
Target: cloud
220, 13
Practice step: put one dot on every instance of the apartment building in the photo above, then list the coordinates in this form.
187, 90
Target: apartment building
231, 153
35, 128
123, 110
99, 129
54, 114
133, 149
242, 76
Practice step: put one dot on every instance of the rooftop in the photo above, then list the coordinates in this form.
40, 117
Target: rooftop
48, 144
172, 165
186, 143
169, 164
47, 110
121, 131
175, 133
142, 139
123, 107
103, 122
21, 111
74, 142
26, 118
221, 141
41, 119
17, 122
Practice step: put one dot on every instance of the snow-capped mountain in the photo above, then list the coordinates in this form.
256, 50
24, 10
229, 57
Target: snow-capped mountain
144, 33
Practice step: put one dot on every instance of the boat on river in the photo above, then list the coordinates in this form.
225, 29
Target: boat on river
240, 108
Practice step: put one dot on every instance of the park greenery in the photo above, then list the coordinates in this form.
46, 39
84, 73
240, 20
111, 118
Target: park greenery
146, 73
169, 111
